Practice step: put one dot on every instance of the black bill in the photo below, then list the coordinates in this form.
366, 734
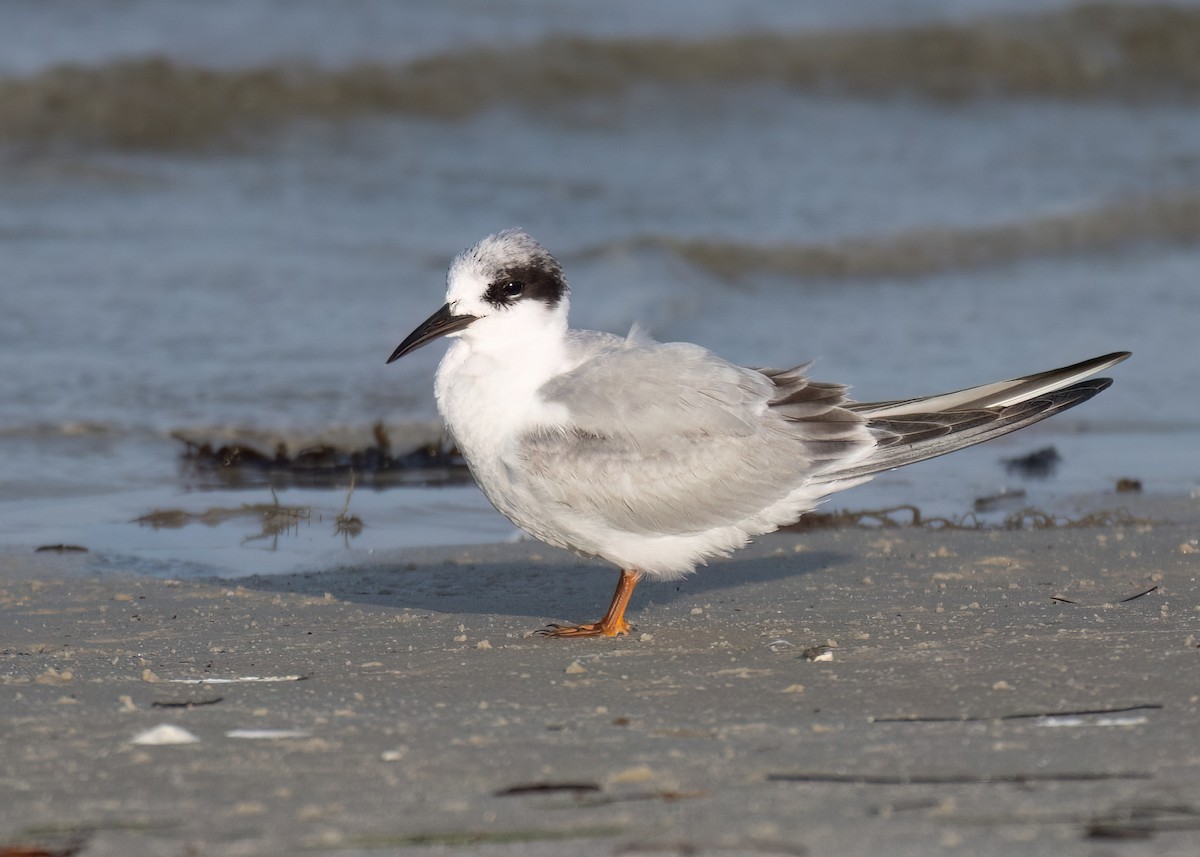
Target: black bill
439, 324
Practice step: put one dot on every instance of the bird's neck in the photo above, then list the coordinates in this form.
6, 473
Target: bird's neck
487, 386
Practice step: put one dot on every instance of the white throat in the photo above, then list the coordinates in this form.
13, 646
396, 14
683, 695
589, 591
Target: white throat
487, 384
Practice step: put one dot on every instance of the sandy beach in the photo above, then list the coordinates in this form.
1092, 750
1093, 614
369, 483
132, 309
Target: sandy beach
994, 692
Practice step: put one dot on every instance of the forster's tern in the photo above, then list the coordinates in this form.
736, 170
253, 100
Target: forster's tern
658, 456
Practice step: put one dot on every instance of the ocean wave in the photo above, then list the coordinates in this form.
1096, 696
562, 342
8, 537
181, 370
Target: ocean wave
1096, 51
1171, 219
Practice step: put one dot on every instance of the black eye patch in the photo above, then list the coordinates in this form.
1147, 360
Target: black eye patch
535, 281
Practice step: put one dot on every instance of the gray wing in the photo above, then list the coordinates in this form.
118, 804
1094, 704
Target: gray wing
671, 439
913, 430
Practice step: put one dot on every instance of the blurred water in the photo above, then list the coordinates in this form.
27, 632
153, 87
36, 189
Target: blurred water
224, 216
227, 33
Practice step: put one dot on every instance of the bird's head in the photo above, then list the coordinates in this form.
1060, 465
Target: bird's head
507, 288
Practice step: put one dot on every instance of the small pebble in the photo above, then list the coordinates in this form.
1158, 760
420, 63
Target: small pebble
267, 734
165, 734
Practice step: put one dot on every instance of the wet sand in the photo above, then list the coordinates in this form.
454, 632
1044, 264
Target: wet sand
993, 692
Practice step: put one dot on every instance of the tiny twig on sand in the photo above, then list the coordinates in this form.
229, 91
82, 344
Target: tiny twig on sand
346, 525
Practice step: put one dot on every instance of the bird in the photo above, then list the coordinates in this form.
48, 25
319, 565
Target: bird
658, 456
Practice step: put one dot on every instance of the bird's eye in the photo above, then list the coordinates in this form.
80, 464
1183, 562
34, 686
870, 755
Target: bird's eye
512, 289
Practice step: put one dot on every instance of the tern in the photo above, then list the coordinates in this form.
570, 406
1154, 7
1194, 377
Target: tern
659, 456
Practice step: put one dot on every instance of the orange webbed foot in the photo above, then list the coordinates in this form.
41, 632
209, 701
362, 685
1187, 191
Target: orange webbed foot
613, 623
593, 629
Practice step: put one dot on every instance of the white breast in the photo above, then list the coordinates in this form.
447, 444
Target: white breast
489, 402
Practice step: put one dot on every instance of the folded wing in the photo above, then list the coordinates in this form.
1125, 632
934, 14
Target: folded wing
671, 439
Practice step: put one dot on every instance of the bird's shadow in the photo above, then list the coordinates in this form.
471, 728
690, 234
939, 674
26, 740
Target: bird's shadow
561, 587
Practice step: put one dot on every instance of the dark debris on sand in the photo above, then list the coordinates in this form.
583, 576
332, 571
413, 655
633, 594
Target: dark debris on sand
1040, 464
321, 465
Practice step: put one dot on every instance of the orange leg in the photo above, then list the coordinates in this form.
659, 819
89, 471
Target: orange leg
613, 622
